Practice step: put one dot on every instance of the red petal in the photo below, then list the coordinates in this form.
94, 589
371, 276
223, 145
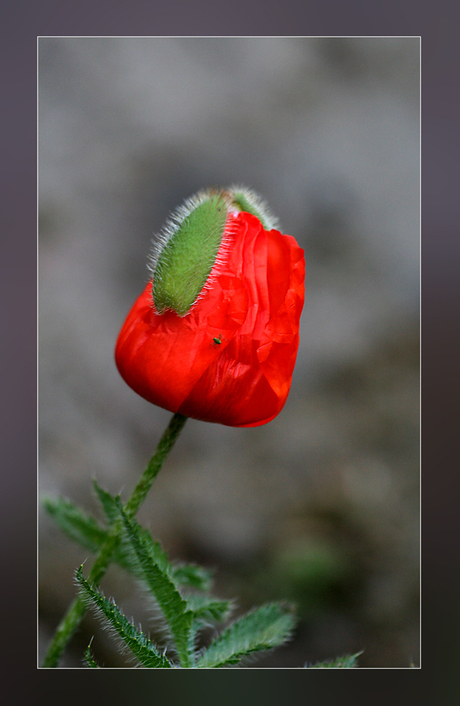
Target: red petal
162, 357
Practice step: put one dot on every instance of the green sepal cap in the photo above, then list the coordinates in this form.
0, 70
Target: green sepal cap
186, 251
244, 199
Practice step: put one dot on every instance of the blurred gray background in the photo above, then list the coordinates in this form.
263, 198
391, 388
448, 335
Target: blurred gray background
321, 506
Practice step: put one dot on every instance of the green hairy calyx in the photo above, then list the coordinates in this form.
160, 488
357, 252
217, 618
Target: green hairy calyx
244, 199
189, 246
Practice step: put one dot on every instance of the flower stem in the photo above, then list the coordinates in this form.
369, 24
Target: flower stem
76, 610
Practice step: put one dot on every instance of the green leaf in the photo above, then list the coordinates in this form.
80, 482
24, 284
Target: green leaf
139, 644
111, 505
347, 662
154, 550
108, 503
192, 575
89, 659
76, 524
159, 581
84, 530
206, 608
260, 629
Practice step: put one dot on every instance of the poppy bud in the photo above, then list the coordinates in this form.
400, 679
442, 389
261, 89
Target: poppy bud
214, 335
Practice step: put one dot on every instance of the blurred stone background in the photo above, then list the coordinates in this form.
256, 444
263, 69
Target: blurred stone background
321, 506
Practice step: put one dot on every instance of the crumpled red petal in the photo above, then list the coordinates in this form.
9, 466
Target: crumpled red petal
252, 306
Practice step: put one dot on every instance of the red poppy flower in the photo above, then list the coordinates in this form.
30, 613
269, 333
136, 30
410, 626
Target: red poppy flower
230, 359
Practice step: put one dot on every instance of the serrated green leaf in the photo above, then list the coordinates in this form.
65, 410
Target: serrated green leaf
139, 644
192, 575
86, 531
108, 503
89, 659
206, 608
166, 593
155, 551
347, 662
76, 524
83, 529
260, 629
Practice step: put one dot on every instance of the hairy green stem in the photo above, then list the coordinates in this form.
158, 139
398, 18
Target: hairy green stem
72, 618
